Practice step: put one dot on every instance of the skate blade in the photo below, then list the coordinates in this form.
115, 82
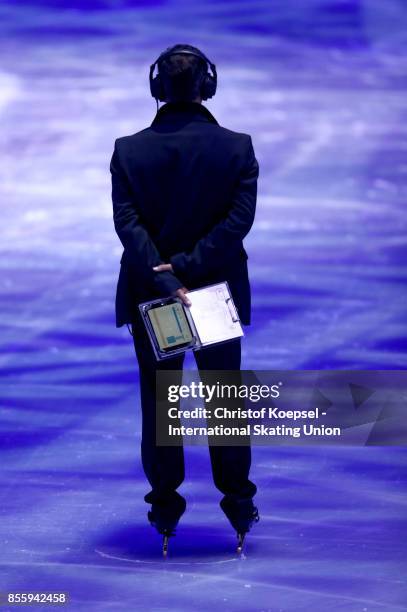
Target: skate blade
240, 541
165, 546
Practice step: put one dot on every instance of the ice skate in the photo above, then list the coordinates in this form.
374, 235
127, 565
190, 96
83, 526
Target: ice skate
166, 540
242, 516
241, 535
165, 519
240, 541
164, 527
165, 545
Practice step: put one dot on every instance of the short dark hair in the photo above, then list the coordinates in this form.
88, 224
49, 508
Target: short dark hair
182, 74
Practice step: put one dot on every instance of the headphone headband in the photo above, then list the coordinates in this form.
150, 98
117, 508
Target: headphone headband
209, 82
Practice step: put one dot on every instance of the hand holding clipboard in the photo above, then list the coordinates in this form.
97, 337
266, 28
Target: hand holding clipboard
210, 319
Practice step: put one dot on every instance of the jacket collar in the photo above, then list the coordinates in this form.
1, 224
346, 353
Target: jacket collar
191, 111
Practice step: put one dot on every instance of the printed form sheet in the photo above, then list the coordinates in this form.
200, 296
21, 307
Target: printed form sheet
214, 314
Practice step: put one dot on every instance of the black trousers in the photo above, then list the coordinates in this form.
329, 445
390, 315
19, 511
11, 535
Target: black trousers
164, 465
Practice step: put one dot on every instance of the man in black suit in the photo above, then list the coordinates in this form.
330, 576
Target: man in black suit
184, 196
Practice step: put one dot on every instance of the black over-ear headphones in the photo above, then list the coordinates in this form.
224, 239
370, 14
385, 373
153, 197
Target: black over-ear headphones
208, 84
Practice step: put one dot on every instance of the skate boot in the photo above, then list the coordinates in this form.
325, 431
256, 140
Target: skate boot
242, 516
165, 519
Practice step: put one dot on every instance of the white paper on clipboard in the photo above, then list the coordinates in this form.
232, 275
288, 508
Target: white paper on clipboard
214, 314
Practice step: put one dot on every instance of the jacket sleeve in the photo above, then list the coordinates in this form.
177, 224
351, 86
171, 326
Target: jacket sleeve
223, 243
141, 250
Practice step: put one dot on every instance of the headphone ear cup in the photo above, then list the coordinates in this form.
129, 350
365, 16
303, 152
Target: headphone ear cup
208, 87
157, 90
153, 86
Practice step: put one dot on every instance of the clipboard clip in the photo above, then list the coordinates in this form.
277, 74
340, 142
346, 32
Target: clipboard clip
232, 310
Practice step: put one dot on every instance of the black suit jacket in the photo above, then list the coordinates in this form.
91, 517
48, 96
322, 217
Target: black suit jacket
184, 192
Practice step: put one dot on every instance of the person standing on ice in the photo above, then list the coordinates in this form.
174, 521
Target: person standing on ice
184, 195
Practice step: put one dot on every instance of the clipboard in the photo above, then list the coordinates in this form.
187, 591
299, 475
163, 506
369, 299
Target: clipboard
174, 328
